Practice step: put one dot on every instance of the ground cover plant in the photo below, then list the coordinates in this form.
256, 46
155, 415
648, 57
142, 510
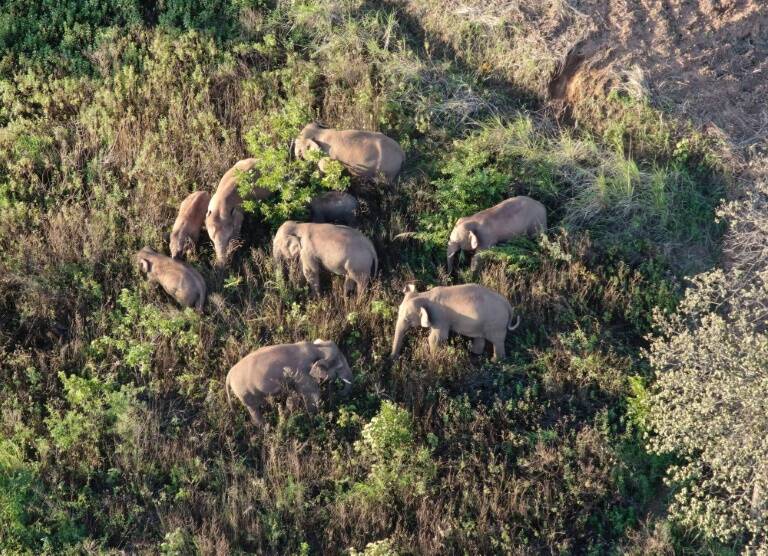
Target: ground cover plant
115, 434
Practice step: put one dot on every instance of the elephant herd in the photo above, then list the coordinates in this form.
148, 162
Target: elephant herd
330, 243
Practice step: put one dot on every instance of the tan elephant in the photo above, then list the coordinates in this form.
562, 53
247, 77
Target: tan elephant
366, 154
469, 309
189, 222
339, 249
303, 365
224, 218
179, 280
514, 217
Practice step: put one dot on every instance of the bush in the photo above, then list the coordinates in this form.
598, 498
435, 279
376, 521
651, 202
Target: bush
399, 466
708, 404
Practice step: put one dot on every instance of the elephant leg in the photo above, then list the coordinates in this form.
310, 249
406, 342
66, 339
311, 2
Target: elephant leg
436, 337
349, 286
361, 280
499, 351
478, 346
252, 403
311, 272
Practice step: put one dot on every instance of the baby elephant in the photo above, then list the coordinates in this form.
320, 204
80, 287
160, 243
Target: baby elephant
180, 281
186, 229
339, 249
334, 207
366, 154
513, 217
304, 365
470, 310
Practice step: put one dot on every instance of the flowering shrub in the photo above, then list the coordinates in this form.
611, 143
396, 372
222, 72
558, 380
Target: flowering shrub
709, 404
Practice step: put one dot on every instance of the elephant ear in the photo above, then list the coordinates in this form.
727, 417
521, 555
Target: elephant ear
474, 241
319, 371
145, 265
294, 246
424, 316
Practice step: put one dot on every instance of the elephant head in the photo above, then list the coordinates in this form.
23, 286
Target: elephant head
306, 141
414, 311
286, 246
223, 227
144, 260
179, 243
464, 237
332, 365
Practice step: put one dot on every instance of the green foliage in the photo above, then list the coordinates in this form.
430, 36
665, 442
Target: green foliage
95, 408
399, 466
113, 422
56, 33
18, 479
138, 328
294, 181
216, 16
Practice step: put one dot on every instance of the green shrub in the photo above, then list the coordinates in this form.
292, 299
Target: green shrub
137, 328
399, 466
295, 182
95, 408
58, 34
18, 481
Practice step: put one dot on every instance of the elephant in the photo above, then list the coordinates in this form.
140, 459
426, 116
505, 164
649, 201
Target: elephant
225, 214
305, 365
334, 207
186, 228
339, 249
513, 217
179, 280
469, 309
366, 154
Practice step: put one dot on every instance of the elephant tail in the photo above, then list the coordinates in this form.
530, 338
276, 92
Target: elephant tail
226, 389
511, 326
375, 262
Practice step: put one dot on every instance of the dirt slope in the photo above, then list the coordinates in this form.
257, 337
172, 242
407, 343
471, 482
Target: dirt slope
704, 59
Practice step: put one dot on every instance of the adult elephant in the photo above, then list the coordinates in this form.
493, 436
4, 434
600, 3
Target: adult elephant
224, 218
303, 365
510, 218
366, 154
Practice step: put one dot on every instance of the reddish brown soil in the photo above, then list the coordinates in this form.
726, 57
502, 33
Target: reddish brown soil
704, 59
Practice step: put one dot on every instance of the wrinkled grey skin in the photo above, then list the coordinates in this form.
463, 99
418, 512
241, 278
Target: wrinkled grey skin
189, 222
366, 154
334, 207
305, 365
179, 280
469, 309
224, 218
514, 217
339, 249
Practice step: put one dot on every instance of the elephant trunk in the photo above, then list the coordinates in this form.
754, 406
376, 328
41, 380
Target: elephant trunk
220, 247
453, 249
397, 344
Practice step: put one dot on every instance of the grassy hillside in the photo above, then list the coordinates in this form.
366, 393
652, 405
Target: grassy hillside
114, 428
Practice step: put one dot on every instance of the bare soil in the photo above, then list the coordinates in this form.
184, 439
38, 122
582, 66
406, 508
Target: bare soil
703, 59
